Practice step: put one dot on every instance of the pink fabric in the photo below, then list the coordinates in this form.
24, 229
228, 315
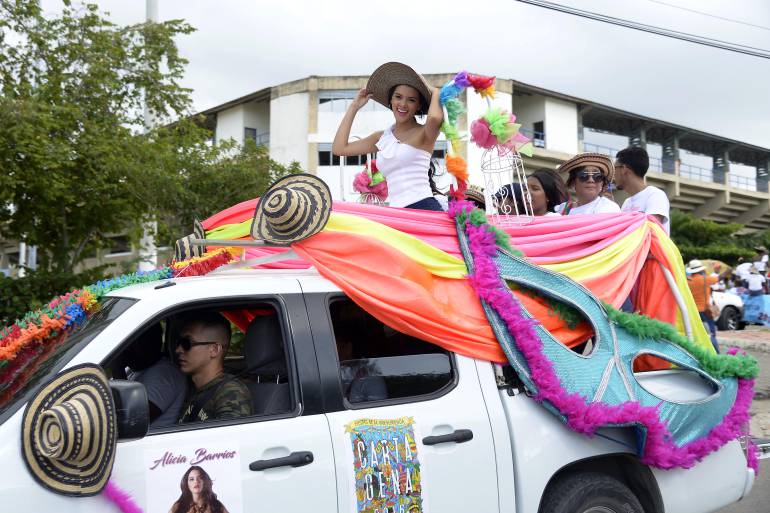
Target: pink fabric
545, 240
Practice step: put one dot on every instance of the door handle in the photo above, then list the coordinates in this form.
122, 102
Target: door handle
459, 436
295, 459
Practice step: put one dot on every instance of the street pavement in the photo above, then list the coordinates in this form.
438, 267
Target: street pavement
756, 342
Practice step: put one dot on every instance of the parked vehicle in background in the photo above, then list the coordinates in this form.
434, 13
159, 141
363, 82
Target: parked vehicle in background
730, 310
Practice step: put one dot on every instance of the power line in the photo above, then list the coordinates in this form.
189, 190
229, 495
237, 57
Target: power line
674, 34
732, 20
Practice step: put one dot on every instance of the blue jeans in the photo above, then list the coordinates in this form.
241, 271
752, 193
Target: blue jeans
427, 204
712, 329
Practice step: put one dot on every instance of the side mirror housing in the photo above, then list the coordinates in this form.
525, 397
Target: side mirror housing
132, 409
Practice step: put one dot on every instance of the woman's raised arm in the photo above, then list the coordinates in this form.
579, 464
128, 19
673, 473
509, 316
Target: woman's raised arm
435, 116
341, 145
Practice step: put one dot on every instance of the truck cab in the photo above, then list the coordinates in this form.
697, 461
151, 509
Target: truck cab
351, 415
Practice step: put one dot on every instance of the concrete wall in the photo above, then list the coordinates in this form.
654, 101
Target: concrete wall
230, 124
257, 115
561, 126
529, 109
289, 129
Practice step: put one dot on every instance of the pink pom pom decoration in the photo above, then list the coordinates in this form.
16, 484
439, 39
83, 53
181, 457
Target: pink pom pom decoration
481, 135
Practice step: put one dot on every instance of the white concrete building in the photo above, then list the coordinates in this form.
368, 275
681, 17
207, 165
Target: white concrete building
698, 171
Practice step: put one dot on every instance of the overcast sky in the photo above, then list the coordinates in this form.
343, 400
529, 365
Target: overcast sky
244, 45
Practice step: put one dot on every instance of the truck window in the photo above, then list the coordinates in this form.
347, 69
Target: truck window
242, 345
378, 363
20, 378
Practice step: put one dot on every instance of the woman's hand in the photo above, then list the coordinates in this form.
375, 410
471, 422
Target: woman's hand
361, 99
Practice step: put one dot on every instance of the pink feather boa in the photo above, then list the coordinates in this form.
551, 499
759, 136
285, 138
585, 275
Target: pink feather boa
121, 498
583, 416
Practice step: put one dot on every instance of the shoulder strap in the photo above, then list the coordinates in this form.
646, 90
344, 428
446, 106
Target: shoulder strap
202, 399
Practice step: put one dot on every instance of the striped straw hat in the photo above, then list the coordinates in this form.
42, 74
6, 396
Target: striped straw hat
601, 161
293, 208
184, 250
392, 74
69, 432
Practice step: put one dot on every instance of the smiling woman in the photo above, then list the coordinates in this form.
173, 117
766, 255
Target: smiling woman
589, 174
405, 148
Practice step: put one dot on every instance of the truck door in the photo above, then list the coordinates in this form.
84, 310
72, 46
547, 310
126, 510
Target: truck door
408, 424
278, 458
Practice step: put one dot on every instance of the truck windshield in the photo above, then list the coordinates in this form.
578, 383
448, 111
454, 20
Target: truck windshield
21, 377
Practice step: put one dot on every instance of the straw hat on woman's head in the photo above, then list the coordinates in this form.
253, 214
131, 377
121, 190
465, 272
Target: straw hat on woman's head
293, 208
392, 74
602, 162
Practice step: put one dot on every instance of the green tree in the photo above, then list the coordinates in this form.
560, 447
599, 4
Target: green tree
77, 163
699, 238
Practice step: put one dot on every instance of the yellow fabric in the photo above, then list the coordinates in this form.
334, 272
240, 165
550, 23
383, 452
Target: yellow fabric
437, 262
601, 262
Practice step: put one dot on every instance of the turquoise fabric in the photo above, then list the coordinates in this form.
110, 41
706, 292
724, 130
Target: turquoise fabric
605, 375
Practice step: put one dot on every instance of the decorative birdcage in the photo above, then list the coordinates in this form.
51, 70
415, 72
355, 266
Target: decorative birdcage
506, 194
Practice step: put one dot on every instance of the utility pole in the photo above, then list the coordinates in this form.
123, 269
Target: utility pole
148, 251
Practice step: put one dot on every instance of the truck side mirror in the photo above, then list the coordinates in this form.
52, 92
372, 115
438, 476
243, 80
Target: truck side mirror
132, 409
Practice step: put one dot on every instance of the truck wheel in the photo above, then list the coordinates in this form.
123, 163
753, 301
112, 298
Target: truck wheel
589, 492
729, 319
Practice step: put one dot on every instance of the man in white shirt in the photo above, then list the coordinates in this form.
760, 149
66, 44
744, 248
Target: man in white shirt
755, 282
742, 269
631, 165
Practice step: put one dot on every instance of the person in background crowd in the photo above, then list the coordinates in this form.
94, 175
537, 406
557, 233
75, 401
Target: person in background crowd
631, 165
755, 282
546, 190
742, 270
700, 286
589, 174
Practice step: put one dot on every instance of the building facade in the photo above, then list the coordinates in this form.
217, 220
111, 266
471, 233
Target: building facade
297, 121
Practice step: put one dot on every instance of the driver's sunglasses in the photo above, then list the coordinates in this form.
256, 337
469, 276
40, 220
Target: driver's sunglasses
585, 176
186, 343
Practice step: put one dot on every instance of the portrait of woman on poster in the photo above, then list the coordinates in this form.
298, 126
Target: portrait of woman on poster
197, 494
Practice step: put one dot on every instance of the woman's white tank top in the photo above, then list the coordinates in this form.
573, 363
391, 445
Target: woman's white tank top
405, 168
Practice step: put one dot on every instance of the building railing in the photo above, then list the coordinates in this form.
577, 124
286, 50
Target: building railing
743, 182
696, 173
598, 148
538, 138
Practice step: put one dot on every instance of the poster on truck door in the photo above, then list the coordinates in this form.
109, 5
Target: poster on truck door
387, 475
194, 478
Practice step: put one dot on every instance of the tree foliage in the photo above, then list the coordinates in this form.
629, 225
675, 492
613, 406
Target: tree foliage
78, 164
699, 238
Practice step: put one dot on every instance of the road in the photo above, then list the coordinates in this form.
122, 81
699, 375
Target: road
756, 341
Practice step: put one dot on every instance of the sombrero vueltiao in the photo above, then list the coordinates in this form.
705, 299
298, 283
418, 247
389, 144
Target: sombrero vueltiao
475, 194
603, 162
293, 208
69, 432
392, 74
184, 250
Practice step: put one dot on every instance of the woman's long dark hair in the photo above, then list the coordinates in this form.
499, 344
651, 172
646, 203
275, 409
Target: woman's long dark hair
185, 501
553, 186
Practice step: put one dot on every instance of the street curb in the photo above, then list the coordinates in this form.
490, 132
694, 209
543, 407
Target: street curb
754, 345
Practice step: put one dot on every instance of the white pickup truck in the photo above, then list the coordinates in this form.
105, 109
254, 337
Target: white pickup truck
352, 416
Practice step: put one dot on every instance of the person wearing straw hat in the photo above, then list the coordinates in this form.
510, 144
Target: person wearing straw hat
589, 174
700, 286
755, 282
405, 148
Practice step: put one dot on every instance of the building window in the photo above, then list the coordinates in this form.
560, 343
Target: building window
339, 101
119, 245
250, 133
538, 135
325, 157
262, 139
439, 152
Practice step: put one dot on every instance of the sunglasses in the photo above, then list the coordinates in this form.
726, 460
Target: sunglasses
585, 176
186, 343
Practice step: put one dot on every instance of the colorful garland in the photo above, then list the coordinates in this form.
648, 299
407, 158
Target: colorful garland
204, 264
583, 416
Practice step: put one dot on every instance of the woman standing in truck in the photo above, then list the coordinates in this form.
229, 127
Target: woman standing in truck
405, 148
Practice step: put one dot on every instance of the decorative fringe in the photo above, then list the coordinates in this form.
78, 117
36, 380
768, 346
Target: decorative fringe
204, 264
457, 166
121, 498
580, 415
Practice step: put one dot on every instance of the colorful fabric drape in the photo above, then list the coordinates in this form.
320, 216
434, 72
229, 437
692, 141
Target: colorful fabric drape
373, 252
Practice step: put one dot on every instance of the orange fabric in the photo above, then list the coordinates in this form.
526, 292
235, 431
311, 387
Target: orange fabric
700, 286
403, 295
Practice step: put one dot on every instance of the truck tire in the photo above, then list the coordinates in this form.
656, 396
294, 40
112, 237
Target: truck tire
729, 319
589, 492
